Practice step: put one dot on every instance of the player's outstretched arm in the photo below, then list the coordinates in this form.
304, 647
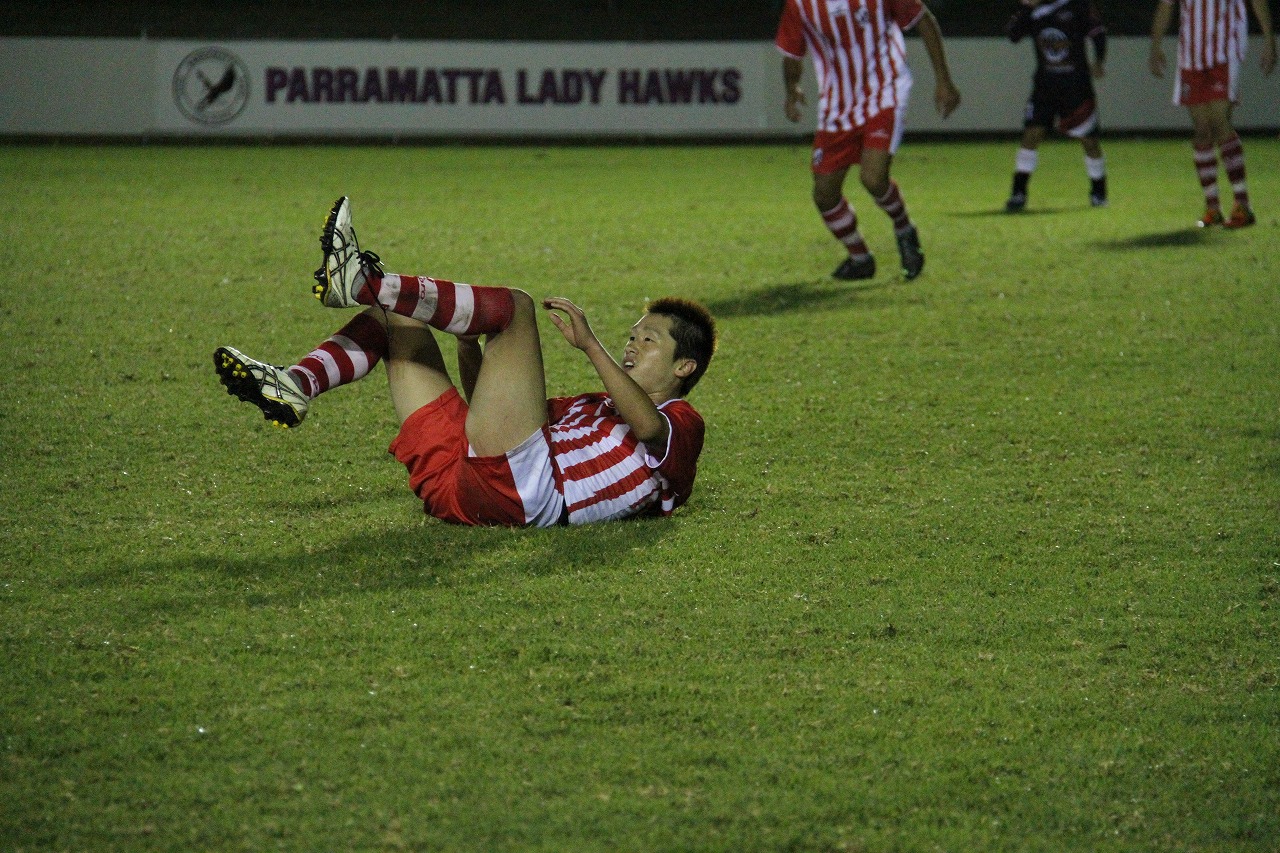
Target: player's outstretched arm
946, 97
631, 401
1263, 11
1159, 26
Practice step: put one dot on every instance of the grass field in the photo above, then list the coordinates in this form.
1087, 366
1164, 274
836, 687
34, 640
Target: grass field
986, 561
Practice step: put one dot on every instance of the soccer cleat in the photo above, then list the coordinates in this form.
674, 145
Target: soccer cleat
268, 387
1241, 217
1016, 203
1212, 216
852, 269
912, 256
342, 275
1098, 192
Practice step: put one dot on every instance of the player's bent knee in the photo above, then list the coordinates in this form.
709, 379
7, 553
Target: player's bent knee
523, 302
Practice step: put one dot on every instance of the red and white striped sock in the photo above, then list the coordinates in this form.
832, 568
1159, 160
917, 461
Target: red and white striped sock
347, 355
1207, 170
893, 205
842, 222
459, 309
1232, 152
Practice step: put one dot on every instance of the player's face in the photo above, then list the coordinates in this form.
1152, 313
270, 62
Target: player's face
649, 356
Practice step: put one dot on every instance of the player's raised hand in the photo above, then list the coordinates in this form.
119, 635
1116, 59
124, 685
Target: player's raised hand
573, 325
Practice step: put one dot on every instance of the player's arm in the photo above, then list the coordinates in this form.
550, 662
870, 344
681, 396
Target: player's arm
945, 94
1159, 26
1263, 11
1098, 35
470, 357
631, 401
1019, 25
792, 69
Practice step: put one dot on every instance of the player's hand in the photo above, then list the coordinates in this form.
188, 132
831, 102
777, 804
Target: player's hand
1099, 70
573, 325
792, 107
1268, 57
1156, 61
946, 98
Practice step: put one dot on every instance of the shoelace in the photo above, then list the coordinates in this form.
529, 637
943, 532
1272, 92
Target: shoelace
368, 261
371, 261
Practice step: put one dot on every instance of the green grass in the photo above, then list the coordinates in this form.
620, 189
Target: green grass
985, 561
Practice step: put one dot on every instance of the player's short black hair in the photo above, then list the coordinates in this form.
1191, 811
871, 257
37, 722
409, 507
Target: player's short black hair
694, 330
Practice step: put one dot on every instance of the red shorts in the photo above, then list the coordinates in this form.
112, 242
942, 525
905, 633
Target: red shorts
515, 489
834, 150
1205, 86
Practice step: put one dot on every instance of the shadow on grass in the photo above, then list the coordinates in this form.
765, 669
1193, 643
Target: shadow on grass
1001, 213
801, 296
1171, 239
432, 555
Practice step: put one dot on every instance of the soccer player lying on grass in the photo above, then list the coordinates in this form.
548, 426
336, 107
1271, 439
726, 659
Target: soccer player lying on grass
511, 457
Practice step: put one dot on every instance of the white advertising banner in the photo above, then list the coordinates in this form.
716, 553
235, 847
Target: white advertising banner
465, 88
140, 88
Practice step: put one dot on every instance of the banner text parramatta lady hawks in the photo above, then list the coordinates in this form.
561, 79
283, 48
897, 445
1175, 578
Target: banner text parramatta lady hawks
480, 86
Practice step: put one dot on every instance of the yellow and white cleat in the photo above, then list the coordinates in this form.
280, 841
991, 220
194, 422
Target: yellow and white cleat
343, 273
267, 386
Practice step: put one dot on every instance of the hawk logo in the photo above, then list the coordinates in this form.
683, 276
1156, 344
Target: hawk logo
211, 86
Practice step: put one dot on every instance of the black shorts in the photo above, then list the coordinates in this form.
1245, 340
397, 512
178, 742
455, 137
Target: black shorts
1064, 102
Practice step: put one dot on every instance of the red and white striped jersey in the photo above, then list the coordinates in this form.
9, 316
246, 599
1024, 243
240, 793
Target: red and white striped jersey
607, 473
859, 54
1211, 32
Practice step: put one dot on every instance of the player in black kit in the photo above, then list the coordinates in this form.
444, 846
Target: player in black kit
1062, 89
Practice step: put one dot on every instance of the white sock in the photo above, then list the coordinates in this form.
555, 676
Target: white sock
1027, 159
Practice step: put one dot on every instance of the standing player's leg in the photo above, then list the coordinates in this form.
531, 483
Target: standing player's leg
1095, 166
1025, 164
883, 135
840, 217
1206, 161
875, 178
1078, 118
1231, 152
1037, 118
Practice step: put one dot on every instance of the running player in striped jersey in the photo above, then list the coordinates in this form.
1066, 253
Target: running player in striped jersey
1062, 89
507, 455
1212, 37
859, 56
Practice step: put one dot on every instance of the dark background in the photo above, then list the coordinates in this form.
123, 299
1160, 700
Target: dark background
565, 20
